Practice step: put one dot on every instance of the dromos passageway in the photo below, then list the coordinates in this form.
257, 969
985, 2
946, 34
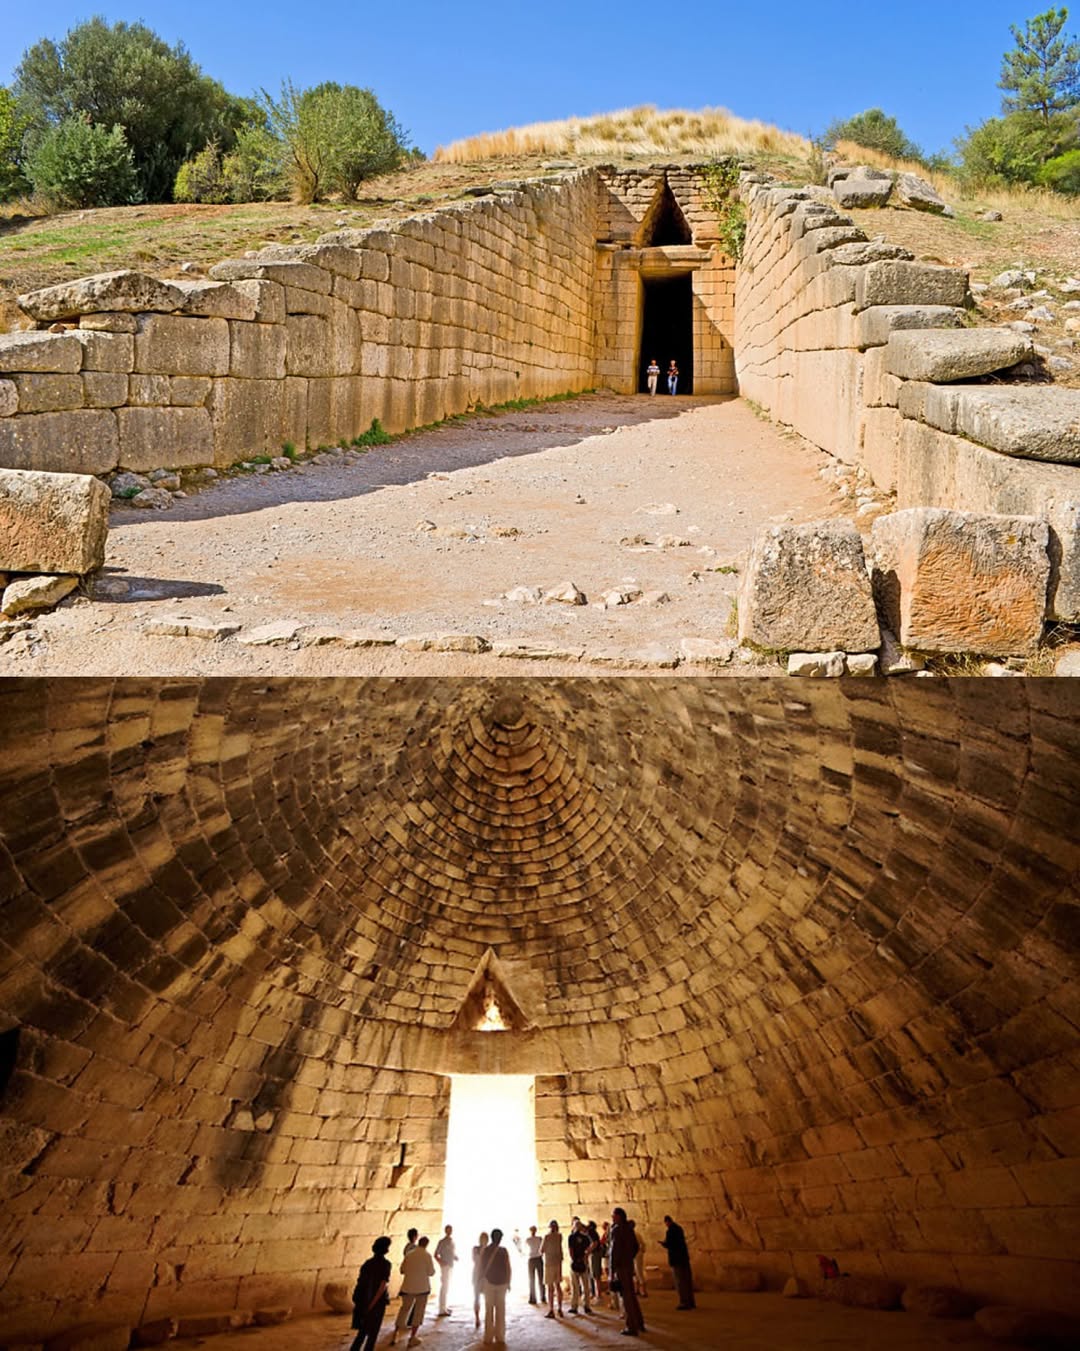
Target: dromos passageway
797, 963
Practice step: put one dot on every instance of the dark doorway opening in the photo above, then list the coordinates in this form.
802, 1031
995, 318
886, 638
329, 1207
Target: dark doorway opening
667, 330
664, 222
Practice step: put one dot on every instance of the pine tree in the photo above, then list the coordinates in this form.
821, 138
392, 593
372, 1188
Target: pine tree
1042, 72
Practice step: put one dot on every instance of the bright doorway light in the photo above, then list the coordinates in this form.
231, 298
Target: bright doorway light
491, 1174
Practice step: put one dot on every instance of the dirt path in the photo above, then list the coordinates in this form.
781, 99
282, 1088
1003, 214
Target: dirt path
426, 535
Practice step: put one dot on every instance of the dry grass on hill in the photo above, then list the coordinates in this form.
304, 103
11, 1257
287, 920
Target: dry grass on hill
645, 130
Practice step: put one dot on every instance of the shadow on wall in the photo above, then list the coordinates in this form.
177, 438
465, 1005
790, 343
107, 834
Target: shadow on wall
422, 453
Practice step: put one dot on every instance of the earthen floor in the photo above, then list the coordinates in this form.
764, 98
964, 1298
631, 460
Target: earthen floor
568, 492
748, 1322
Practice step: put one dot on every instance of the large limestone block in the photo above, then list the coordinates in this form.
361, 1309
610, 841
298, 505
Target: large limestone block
49, 393
9, 398
806, 588
172, 344
1032, 421
960, 355
106, 351
122, 292
903, 283
52, 523
249, 418
951, 581
862, 192
877, 325
916, 192
302, 275
58, 353
268, 298
217, 300
170, 438
257, 351
309, 345
83, 441
26, 595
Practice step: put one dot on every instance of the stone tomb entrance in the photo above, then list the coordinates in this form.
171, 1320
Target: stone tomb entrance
667, 328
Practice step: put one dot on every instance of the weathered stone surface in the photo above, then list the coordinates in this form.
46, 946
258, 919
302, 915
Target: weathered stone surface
83, 440
216, 299
303, 275
939, 1301
862, 1292
49, 393
1029, 1327
805, 588
443, 642
9, 398
155, 1333
173, 344
860, 664
207, 1324
91, 1337
1033, 422
257, 351
903, 283
873, 251
875, 326
188, 626
706, 651
105, 389
272, 1317
794, 1288
949, 581
916, 192
338, 1297
827, 665
1068, 664
945, 357
52, 522
174, 437
27, 594
106, 351
59, 353
151, 499
274, 634
124, 292
268, 297
743, 1279
108, 323
862, 192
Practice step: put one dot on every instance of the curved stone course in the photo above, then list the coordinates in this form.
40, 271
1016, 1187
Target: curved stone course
800, 961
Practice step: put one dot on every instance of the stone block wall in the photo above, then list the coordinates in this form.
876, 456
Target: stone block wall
483, 302
821, 317
800, 972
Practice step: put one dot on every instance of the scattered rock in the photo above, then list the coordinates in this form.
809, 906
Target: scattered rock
425, 526
621, 597
52, 522
655, 598
275, 634
118, 292
706, 651
860, 664
1042, 314
652, 655
524, 595
991, 216
317, 636
1068, 663
168, 479
862, 192
151, 499
184, 626
535, 651
1007, 281
126, 484
806, 587
821, 664
565, 595
672, 542
658, 509
443, 642
28, 594
995, 668
270, 1318
862, 1292
916, 192
893, 660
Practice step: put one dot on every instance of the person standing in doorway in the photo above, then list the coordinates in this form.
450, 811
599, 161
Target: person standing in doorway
477, 1275
533, 1246
672, 377
417, 1269
446, 1256
622, 1250
552, 1251
596, 1259
371, 1296
652, 374
578, 1244
639, 1263
678, 1256
494, 1284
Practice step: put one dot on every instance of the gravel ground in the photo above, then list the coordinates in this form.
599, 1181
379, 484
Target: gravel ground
427, 534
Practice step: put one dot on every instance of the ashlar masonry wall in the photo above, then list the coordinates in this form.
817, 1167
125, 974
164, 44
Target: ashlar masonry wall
824, 322
482, 302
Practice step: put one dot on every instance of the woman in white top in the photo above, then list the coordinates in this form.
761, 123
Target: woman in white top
417, 1269
552, 1252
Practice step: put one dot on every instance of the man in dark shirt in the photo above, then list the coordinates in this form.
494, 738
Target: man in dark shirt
579, 1244
622, 1249
371, 1296
678, 1256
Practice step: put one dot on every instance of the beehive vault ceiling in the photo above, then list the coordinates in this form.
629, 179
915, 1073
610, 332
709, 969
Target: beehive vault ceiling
798, 961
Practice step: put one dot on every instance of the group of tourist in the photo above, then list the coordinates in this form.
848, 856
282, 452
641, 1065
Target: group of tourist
652, 375
608, 1261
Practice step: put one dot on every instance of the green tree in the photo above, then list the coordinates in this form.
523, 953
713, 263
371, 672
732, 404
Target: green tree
1062, 173
125, 75
1042, 72
12, 130
80, 164
874, 130
334, 136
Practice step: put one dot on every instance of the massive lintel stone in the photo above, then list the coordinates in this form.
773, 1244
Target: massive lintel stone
952, 581
124, 292
806, 588
942, 357
1033, 422
53, 523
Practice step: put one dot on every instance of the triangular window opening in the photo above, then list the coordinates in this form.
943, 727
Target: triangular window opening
489, 1006
664, 222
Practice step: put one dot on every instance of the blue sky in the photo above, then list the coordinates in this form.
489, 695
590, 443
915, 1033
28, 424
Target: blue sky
448, 70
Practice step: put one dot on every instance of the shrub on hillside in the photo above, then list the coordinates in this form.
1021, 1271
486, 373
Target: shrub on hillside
12, 130
81, 164
251, 172
1062, 173
874, 130
1014, 148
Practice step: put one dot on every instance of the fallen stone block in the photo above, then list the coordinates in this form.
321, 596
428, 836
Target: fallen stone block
120, 292
823, 665
272, 1318
867, 172
643, 658
862, 192
916, 192
151, 499
565, 595
1030, 1327
535, 651
443, 642
338, 1296
1068, 664
706, 651
155, 1333
950, 581
806, 588
91, 1337
274, 634
40, 353
319, 636
939, 1301
1034, 422
945, 357
55, 523
184, 626
860, 664
861, 1292
207, 1324
28, 594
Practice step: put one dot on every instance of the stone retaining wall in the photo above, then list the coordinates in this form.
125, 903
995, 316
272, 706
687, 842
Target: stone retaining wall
824, 342
482, 302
